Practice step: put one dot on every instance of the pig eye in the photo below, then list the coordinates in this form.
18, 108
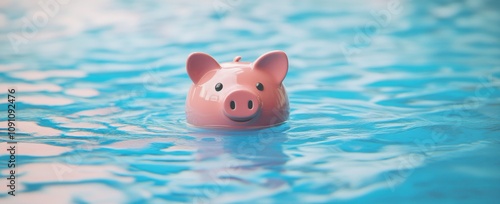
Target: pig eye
218, 87
259, 86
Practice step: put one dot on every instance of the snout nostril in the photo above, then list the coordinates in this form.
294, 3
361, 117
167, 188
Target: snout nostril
232, 105
250, 104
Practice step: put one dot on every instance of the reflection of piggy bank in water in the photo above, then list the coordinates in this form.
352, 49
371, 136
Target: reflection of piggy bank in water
237, 94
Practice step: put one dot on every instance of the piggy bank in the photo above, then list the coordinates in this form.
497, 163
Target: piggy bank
237, 95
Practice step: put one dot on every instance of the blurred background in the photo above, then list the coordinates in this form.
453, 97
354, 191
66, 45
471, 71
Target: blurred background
391, 101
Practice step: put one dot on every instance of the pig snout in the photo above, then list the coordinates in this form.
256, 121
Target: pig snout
241, 105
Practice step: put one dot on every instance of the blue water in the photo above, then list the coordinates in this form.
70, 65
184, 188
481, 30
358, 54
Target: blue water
390, 102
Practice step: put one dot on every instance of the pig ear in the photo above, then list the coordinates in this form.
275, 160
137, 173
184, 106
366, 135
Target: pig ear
275, 63
198, 64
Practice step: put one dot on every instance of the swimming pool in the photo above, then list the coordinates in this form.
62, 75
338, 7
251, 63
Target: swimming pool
390, 101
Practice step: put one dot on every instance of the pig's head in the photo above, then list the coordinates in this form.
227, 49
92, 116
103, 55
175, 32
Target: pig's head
237, 94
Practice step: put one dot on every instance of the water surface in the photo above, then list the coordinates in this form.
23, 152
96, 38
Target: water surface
389, 102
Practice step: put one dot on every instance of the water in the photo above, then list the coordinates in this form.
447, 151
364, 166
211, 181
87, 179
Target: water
403, 110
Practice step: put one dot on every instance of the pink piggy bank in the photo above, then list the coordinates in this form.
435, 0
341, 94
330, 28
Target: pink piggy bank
237, 95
